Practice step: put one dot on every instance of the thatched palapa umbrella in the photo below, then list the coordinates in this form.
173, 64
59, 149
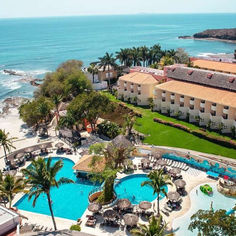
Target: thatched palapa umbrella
145, 205
124, 204
179, 183
59, 145
175, 171
145, 161
19, 155
161, 162
29, 149
156, 154
110, 214
130, 219
120, 142
94, 207
173, 196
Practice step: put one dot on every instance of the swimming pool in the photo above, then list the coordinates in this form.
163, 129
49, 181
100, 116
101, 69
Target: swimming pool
69, 200
201, 201
130, 187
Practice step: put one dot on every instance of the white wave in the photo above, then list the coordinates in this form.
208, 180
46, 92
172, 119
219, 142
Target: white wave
209, 54
10, 84
37, 72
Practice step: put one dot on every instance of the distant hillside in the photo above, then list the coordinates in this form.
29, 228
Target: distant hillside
227, 35
224, 34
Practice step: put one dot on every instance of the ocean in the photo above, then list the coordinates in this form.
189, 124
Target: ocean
34, 46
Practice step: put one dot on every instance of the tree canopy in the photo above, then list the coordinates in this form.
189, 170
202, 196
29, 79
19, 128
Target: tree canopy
213, 223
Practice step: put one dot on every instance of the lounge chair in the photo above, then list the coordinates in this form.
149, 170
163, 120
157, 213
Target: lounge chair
90, 223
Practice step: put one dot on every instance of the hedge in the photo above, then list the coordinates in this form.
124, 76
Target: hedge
199, 133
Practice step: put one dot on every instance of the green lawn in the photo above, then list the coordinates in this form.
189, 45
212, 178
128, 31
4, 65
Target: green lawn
159, 134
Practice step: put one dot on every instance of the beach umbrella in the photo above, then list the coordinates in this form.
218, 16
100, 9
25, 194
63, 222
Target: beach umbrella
175, 171
161, 162
124, 204
130, 219
29, 149
59, 145
145, 161
94, 207
155, 153
19, 155
144, 205
179, 183
173, 196
110, 214
43, 146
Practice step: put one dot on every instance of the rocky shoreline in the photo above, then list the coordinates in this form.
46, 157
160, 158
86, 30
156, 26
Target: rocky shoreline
223, 35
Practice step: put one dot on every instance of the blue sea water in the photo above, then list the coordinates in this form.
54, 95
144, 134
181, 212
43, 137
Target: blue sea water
37, 45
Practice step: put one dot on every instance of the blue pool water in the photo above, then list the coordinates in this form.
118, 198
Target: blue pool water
69, 200
130, 187
201, 201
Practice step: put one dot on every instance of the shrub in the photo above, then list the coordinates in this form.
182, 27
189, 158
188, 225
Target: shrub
75, 227
109, 129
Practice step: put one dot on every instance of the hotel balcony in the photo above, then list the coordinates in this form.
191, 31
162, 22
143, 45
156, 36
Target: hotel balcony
163, 94
125, 84
181, 99
172, 97
213, 107
191, 107
202, 105
191, 102
132, 86
226, 111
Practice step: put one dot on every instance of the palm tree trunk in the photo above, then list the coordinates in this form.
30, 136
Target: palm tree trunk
5, 152
50, 208
158, 205
109, 82
93, 78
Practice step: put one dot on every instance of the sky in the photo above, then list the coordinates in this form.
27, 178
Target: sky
44, 8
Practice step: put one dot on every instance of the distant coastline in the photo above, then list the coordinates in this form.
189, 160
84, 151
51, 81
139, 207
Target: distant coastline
222, 35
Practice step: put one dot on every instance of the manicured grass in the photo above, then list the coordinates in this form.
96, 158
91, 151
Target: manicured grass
159, 134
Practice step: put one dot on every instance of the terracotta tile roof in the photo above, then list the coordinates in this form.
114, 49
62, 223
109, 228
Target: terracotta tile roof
203, 77
139, 78
215, 65
213, 95
84, 164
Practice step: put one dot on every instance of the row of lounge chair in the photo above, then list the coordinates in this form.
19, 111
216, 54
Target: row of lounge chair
176, 164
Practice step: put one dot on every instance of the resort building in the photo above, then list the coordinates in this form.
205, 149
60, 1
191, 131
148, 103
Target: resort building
225, 67
205, 97
137, 87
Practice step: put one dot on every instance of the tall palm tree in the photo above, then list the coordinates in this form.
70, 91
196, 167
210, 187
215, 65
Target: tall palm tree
42, 177
156, 227
10, 186
144, 54
135, 56
6, 142
93, 70
56, 99
158, 180
107, 62
123, 56
166, 61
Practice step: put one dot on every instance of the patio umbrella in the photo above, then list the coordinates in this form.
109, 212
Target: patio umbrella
161, 162
110, 214
29, 149
94, 207
145, 161
124, 204
175, 171
43, 146
156, 154
179, 183
130, 219
173, 196
59, 145
145, 205
19, 155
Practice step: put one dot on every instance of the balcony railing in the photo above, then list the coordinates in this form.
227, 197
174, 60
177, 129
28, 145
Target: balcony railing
213, 107
163, 95
226, 111
202, 104
172, 97
191, 102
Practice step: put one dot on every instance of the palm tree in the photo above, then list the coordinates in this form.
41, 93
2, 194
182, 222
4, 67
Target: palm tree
93, 70
166, 61
144, 54
56, 99
156, 227
42, 177
135, 56
6, 142
158, 180
123, 56
10, 186
107, 62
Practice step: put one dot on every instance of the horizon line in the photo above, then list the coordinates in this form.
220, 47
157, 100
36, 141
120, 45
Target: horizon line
120, 14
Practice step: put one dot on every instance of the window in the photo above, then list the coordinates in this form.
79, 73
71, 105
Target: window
139, 93
225, 116
172, 102
192, 99
163, 99
226, 107
125, 89
182, 96
191, 107
203, 101
181, 104
213, 104
132, 91
202, 110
